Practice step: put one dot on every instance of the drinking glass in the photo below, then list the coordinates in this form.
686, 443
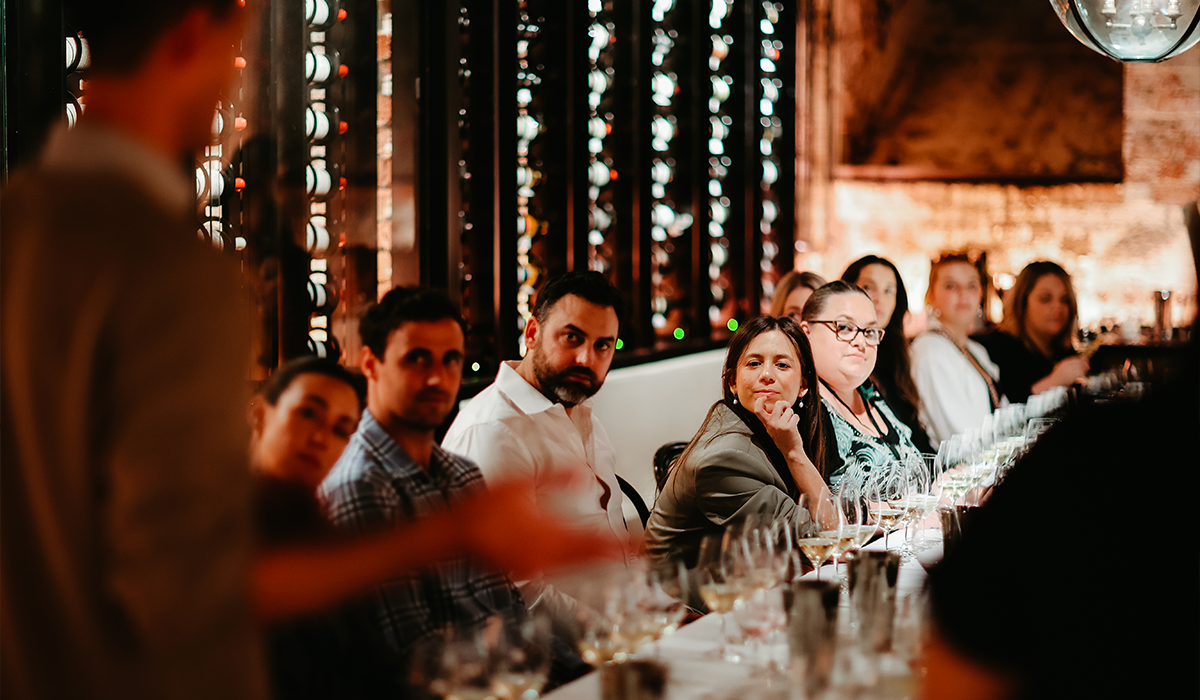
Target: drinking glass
659, 591
606, 629
720, 584
853, 509
817, 549
917, 502
458, 664
887, 483
759, 614
832, 521
520, 660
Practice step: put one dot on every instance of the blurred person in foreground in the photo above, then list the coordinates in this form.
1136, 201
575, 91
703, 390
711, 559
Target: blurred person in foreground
957, 380
793, 291
758, 450
302, 420
536, 420
892, 376
860, 429
1085, 618
126, 500
1032, 347
1109, 611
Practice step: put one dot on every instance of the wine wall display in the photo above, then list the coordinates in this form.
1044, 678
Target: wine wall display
482, 147
649, 140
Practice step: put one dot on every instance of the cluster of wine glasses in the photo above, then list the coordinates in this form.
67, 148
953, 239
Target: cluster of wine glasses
971, 461
630, 609
741, 572
893, 494
492, 662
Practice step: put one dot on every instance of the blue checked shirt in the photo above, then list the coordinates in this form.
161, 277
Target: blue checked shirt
377, 485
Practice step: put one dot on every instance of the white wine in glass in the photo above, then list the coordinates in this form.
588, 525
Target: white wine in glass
817, 549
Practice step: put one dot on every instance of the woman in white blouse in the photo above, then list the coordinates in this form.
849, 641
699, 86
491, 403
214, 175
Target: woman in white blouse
956, 379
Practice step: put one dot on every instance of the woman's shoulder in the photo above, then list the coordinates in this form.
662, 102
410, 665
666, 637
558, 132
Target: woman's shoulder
930, 345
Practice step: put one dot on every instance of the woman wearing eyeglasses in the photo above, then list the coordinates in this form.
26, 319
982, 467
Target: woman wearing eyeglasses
843, 330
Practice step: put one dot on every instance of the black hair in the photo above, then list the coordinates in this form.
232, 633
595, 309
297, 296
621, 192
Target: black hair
586, 284
893, 364
120, 33
399, 306
286, 373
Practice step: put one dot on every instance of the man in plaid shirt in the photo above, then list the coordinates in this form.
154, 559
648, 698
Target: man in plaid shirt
393, 472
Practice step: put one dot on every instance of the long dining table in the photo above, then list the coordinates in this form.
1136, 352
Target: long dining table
695, 671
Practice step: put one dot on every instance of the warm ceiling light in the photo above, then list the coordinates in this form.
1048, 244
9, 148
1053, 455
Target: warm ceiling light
1133, 30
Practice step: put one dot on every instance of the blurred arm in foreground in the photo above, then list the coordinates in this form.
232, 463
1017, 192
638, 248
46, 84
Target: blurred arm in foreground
498, 527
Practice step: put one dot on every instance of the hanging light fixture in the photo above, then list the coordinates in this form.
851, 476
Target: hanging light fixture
1133, 30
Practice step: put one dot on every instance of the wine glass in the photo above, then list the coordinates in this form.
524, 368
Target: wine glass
720, 586
758, 614
818, 548
520, 660
917, 501
604, 628
887, 483
832, 521
757, 549
458, 663
660, 591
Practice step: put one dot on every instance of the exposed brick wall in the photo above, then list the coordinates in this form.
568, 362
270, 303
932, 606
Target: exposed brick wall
1120, 241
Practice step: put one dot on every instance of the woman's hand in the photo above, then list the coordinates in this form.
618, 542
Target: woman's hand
1068, 370
782, 424
1065, 373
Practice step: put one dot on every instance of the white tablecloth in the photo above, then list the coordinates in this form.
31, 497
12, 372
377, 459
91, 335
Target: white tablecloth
695, 672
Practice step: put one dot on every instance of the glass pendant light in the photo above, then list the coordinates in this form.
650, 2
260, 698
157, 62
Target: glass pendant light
1133, 30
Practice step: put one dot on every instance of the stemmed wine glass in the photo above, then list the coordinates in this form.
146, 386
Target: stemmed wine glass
825, 516
520, 660
854, 510
917, 502
758, 614
885, 484
506, 662
659, 592
720, 581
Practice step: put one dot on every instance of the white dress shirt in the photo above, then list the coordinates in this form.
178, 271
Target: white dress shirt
512, 431
954, 398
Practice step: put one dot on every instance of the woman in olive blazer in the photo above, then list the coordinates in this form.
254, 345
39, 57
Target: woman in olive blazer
751, 454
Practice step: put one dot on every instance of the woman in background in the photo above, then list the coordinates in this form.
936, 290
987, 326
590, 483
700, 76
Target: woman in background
860, 428
793, 290
880, 279
757, 451
1033, 346
957, 381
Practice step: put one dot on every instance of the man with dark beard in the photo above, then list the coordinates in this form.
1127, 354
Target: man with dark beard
536, 419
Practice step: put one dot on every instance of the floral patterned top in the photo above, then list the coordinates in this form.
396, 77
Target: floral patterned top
850, 452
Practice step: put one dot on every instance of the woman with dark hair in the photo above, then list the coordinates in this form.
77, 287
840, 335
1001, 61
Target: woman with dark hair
880, 279
793, 290
860, 428
759, 448
958, 381
1033, 346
